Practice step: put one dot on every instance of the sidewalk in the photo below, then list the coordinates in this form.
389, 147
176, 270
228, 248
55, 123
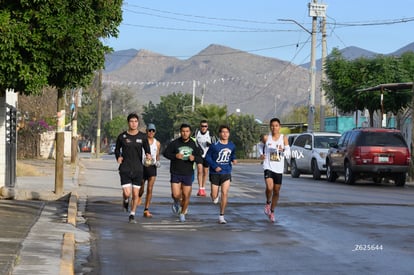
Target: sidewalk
34, 224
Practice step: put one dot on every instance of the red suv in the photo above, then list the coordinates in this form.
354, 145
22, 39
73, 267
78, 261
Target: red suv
369, 153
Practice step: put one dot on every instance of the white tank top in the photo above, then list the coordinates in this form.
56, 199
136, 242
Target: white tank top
153, 150
204, 140
274, 159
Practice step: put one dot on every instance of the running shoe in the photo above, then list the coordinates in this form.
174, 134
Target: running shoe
132, 219
182, 217
222, 220
267, 209
147, 214
199, 193
125, 205
203, 192
186, 211
272, 217
216, 200
175, 207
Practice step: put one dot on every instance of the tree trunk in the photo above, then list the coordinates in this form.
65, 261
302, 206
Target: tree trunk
60, 143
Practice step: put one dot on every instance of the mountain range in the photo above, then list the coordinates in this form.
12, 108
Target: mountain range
251, 84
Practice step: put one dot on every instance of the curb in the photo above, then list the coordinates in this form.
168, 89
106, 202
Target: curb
68, 255
73, 208
67, 261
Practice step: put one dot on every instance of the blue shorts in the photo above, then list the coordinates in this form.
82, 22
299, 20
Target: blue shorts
185, 180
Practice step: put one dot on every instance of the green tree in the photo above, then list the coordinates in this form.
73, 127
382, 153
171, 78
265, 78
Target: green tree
245, 133
345, 77
54, 43
116, 126
168, 114
214, 114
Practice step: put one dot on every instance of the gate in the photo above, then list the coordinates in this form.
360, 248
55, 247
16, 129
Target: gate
11, 132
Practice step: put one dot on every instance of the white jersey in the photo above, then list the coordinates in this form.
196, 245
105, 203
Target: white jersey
275, 151
204, 141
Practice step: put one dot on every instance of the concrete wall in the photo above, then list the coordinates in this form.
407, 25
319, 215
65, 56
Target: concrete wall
47, 145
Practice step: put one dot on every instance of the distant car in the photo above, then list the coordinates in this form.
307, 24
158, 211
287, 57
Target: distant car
308, 153
369, 153
84, 146
291, 138
111, 149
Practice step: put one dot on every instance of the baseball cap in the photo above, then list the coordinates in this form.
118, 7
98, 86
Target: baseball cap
151, 126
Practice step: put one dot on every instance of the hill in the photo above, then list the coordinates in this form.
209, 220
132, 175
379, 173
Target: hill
262, 86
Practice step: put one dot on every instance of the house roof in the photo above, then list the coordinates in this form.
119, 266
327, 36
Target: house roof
388, 86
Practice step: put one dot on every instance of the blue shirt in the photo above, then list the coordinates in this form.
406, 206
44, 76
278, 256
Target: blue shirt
221, 155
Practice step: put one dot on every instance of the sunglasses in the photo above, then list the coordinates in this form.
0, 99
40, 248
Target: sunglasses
204, 126
152, 130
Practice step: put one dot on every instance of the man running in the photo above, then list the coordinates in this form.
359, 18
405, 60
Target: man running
203, 140
183, 153
128, 153
276, 148
220, 157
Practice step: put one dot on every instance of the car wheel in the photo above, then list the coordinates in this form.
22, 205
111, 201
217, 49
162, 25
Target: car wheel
294, 172
315, 170
399, 179
331, 176
349, 175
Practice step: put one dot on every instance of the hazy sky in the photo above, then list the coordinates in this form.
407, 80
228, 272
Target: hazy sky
184, 28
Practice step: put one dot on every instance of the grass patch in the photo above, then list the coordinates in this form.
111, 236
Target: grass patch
26, 170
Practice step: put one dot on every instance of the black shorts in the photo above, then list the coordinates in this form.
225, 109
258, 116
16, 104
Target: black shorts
218, 179
150, 171
131, 178
277, 178
205, 163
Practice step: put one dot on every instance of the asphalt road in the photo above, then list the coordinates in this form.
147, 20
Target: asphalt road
321, 228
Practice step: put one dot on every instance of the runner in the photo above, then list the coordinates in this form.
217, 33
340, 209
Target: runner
150, 171
128, 153
183, 153
220, 157
203, 140
276, 148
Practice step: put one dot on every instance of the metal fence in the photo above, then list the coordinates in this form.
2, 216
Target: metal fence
11, 132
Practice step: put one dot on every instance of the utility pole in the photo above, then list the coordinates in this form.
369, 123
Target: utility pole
315, 10
193, 103
323, 77
311, 111
98, 130
202, 94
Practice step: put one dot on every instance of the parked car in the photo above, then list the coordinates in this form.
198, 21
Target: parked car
375, 153
111, 149
291, 139
308, 153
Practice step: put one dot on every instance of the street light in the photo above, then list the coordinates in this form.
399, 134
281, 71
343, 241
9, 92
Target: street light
311, 110
315, 10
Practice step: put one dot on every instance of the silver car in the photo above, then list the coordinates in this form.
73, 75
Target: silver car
309, 151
